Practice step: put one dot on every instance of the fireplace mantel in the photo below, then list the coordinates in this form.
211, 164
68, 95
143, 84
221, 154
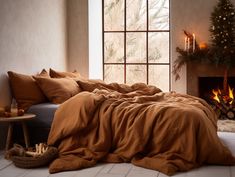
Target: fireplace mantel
196, 70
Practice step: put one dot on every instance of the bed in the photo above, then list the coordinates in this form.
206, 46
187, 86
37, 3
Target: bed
168, 132
99, 122
45, 112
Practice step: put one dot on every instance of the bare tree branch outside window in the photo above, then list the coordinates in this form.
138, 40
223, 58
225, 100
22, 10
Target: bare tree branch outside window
136, 46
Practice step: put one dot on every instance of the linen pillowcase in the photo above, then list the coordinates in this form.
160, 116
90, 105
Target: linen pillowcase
58, 74
25, 90
58, 90
43, 73
89, 84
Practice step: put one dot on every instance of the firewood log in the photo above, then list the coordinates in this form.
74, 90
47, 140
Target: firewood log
218, 106
223, 103
230, 114
233, 104
223, 117
40, 149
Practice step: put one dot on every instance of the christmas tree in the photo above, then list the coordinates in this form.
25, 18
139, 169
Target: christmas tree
223, 34
222, 30
221, 51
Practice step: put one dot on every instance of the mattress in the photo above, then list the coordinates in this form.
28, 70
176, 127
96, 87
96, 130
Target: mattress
44, 114
228, 139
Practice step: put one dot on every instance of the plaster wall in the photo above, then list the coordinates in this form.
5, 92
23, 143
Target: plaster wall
33, 36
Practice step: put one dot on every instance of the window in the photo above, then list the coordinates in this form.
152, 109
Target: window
136, 45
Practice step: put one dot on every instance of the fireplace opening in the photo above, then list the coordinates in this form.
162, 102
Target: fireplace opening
222, 101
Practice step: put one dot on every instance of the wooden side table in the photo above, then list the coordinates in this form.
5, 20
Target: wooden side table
11, 121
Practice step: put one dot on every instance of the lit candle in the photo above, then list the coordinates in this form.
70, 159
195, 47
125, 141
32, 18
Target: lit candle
185, 43
194, 42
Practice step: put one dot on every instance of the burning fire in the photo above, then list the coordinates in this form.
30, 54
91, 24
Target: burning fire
231, 94
224, 103
216, 93
227, 98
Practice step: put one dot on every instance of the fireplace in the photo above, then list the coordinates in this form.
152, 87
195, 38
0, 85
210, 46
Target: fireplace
206, 81
222, 101
207, 84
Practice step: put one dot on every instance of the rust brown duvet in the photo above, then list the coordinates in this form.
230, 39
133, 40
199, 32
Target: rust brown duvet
168, 132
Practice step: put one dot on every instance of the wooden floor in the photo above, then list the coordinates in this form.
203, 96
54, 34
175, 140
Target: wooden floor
7, 169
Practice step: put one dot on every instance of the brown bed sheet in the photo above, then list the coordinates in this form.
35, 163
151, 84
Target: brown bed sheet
168, 132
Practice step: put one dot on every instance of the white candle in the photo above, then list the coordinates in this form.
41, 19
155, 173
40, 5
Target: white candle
185, 43
194, 42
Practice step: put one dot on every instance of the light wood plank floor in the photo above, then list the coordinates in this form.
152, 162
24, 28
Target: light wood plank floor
7, 169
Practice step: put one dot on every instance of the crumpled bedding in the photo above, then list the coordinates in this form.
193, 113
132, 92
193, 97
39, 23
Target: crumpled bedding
168, 132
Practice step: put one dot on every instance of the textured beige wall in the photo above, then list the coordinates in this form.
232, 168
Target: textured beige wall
193, 16
32, 37
78, 36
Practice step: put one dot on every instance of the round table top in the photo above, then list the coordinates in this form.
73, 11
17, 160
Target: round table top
17, 118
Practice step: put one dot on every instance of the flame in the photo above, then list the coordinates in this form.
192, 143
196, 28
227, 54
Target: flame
215, 97
230, 94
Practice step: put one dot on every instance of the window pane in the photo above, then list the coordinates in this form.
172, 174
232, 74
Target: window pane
113, 47
136, 73
136, 47
136, 15
113, 15
114, 73
159, 14
158, 47
129, 47
159, 76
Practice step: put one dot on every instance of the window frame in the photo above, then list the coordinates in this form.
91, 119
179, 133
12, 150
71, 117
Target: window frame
125, 32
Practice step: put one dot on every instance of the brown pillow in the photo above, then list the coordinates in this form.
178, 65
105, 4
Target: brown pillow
90, 84
58, 74
44, 73
58, 90
25, 90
